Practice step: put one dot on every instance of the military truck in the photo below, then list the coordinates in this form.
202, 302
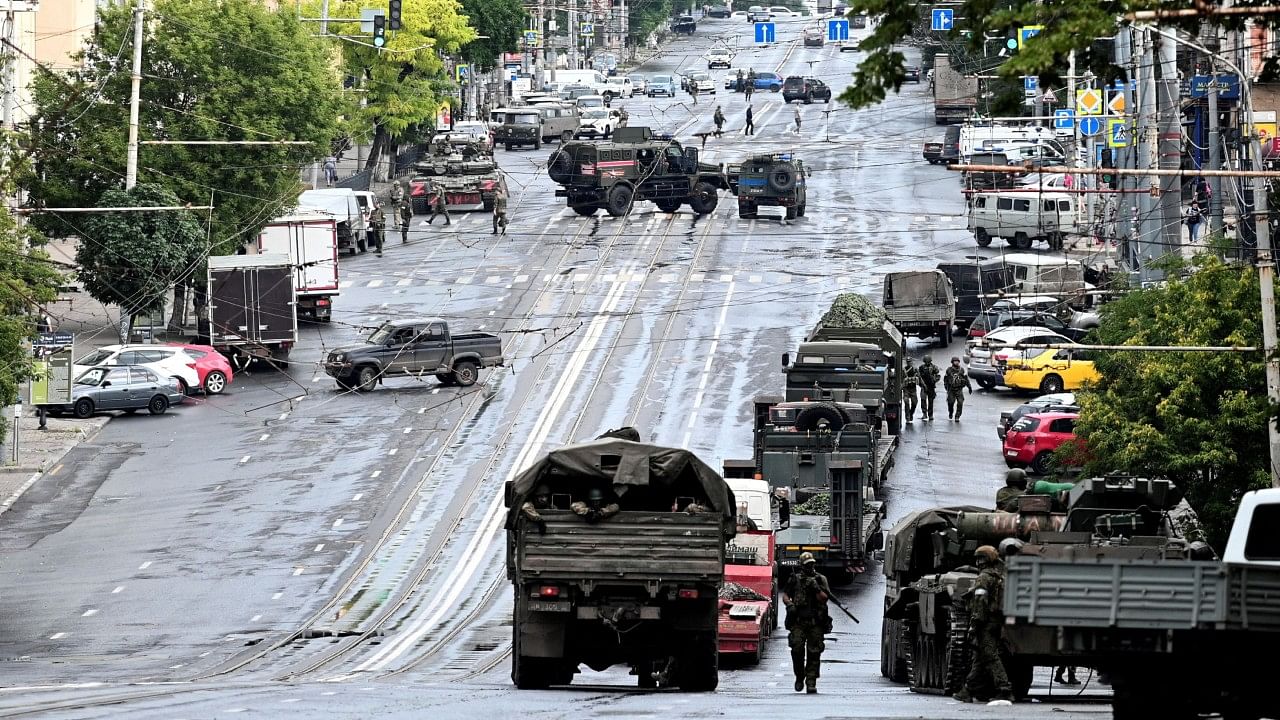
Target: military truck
635, 165
920, 303
463, 167
861, 365
639, 588
773, 179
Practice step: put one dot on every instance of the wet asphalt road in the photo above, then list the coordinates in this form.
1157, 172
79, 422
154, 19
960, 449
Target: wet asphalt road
190, 548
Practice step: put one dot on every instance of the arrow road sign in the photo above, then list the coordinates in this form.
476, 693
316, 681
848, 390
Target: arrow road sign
1063, 119
837, 29
1090, 125
1028, 32
766, 32
943, 19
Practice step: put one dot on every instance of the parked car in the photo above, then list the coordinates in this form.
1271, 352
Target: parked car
684, 25
805, 89
587, 102
639, 83
719, 57
757, 13
120, 388
719, 11
987, 356
911, 73
212, 367
814, 37
1051, 371
1004, 317
764, 81
661, 85
932, 152
1055, 402
781, 12
700, 81
1032, 440
164, 360
597, 123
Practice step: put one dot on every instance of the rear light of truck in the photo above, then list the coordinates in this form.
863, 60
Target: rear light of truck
548, 591
687, 593
322, 303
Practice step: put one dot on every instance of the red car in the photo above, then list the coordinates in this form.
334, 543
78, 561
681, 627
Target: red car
1032, 440
214, 369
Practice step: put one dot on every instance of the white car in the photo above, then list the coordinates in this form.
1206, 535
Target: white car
587, 102
638, 83
778, 12
702, 82
719, 57
621, 86
478, 130
597, 123
738, 15
163, 360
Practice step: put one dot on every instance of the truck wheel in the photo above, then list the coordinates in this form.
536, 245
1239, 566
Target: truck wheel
446, 379
1051, 384
800, 210
1022, 241
466, 374
537, 143
791, 213
783, 178
704, 198
944, 338
982, 237
584, 210
822, 415
699, 668
367, 379
667, 205
617, 201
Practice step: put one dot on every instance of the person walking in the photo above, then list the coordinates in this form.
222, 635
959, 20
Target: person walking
986, 619
718, 119
740, 86
910, 384
751, 126
956, 382
439, 206
500, 211
693, 90
330, 170
1193, 217
397, 194
377, 227
406, 218
929, 376
797, 121
805, 597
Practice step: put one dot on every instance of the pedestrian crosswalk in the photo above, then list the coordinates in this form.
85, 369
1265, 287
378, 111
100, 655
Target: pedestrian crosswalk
661, 277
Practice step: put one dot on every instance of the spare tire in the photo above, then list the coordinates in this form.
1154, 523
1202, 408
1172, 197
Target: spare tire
782, 178
820, 416
560, 167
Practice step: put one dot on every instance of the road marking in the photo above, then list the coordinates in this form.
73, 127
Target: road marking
145, 565
119, 589
264, 437
492, 280
319, 547
175, 667
338, 522
463, 281
611, 277
56, 469
244, 459
90, 612
283, 415
57, 636
521, 279
755, 279
726, 278
375, 473
408, 430
356, 497
297, 572
697, 277
255, 618
581, 277
491, 312
392, 451
667, 277
277, 596
406, 281
375, 283
345, 284
294, 700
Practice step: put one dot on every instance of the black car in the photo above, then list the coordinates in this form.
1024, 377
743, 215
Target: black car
912, 73
992, 319
685, 24
805, 89
719, 11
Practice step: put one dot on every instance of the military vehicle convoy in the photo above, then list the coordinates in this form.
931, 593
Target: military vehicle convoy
640, 587
635, 165
773, 179
463, 167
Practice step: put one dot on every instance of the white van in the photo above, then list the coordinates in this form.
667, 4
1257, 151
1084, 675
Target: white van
974, 137
1023, 217
1045, 275
593, 79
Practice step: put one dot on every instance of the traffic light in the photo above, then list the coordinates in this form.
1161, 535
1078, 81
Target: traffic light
379, 31
1110, 179
393, 14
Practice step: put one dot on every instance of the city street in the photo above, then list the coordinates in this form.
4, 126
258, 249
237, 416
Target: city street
293, 550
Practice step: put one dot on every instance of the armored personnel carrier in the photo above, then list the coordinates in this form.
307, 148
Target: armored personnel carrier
774, 179
463, 167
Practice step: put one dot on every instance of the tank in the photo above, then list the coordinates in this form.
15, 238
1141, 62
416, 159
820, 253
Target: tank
463, 167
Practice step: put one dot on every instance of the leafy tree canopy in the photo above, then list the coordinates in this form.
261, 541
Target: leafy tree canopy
1197, 418
212, 70
503, 21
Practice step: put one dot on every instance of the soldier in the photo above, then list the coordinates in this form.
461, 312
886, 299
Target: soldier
1015, 486
377, 227
693, 91
910, 383
751, 126
541, 501
439, 206
594, 509
928, 387
986, 617
718, 119
807, 621
500, 211
623, 117
797, 121
406, 218
397, 194
956, 382
738, 83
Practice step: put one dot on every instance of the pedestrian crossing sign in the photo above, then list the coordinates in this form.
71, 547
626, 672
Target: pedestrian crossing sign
1088, 102
1117, 133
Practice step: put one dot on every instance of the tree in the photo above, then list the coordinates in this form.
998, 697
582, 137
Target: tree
404, 83
213, 70
1197, 418
502, 21
131, 259
27, 281
645, 16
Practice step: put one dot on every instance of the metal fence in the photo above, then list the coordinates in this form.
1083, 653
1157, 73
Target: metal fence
406, 159
359, 181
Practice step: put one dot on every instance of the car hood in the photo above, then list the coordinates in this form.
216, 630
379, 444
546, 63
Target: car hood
358, 349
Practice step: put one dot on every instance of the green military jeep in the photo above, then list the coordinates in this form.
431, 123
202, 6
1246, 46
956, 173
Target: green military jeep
635, 165
777, 179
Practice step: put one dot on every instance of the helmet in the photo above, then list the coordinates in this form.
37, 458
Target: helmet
595, 494
806, 558
955, 358
928, 358
542, 489
985, 555
1016, 477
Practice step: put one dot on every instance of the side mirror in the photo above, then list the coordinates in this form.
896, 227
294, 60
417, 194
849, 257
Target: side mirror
508, 493
786, 360
106, 383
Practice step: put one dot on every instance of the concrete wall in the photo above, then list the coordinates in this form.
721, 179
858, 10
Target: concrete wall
50, 36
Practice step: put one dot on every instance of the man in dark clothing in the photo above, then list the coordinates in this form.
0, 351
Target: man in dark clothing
500, 211
406, 217
986, 619
595, 508
751, 126
910, 384
955, 382
718, 119
377, 227
439, 206
929, 376
807, 621
1015, 486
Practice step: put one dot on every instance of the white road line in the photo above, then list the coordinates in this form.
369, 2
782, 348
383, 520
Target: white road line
244, 459
277, 596
375, 473
345, 284
392, 451
145, 565
175, 667
338, 522
726, 278
57, 636
356, 497
463, 281
255, 618
90, 612
521, 279
119, 589
406, 281
297, 571
319, 547
374, 283
697, 277
264, 437
283, 415
407, 431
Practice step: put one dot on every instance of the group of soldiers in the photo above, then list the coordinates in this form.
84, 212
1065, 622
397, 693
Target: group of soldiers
920, 386
403, 213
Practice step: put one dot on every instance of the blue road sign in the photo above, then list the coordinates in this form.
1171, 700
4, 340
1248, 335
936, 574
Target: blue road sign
1029, 84
943, 19
1063, 120
766, 32
531, 37
1090, 125
837, 29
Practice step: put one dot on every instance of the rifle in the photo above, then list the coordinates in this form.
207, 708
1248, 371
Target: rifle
843, 609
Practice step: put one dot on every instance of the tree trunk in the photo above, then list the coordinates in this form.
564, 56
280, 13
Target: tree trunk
375, 150
179, 313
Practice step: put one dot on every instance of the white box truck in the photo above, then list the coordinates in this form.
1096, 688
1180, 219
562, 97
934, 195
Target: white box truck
311, 242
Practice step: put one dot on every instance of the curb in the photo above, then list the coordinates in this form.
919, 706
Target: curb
88, 434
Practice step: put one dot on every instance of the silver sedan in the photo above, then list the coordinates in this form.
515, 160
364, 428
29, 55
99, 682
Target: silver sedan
120, 388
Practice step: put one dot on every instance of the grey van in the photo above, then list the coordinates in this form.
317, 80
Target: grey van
533, 126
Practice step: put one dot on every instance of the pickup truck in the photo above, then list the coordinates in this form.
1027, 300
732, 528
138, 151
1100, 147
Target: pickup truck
415, 347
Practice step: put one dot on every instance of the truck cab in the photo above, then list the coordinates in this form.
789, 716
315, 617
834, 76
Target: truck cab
1254, 539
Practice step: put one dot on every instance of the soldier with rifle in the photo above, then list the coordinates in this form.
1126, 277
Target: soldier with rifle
807, 621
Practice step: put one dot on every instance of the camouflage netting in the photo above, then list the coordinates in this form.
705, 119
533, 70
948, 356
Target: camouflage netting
816, 505
851, 310
734, 591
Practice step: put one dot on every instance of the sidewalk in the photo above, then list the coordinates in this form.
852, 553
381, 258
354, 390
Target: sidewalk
40, 451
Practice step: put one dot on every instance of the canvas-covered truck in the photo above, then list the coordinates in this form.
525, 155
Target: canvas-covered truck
639, 587
311, 242
955, 96
920, 304
250, 314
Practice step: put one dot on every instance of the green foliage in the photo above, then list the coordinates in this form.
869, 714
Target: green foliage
213, 70
1198, 418
27, 281
131, 259
503, 21
645, 16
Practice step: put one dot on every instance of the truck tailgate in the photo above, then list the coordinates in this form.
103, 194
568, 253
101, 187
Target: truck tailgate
629, 547
915, 314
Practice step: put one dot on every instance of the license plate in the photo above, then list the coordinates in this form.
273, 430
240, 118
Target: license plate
790, 562
549, 605
1011, 453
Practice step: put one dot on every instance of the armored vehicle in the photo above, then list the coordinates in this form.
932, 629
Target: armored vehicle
776, 179
638, 585
635, 165
463, 167
851, 364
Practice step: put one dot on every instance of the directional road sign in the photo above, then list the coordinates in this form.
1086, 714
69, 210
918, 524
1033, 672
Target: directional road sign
1088, 102
1090, 125
943, 19
1117, 133
463, 72
766, 32
837, 29
1064, 119
1028, 32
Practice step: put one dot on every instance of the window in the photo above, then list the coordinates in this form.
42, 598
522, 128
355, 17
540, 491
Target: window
435, 332
1263, 542
980, 203
1022, 205
140, 376
1064, 206
129, 357
1049, 205
1026, 424
195, 354
402, 336
1004, 203
1065, 426
118, 376
96, 358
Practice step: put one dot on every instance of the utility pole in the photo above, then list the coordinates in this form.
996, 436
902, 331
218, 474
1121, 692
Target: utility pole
10, 59
1169, 147
131, 163
1149, 221
1209, 33
573, 34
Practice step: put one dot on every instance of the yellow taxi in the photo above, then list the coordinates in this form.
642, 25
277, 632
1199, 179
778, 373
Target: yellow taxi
1051, 371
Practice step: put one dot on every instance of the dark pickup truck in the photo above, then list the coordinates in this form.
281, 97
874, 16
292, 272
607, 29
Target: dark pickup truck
417, 348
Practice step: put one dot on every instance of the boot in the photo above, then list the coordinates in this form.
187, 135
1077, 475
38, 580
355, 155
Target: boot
963, 696
811, 689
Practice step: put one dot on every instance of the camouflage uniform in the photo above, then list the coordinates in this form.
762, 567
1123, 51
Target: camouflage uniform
439, 206
595, 508
406, 218
377, 227
500, 212
928, 375
910, 383
984, 630
956, 382
807, 622
1015, 486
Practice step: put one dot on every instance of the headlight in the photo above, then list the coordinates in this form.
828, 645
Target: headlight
337, 357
